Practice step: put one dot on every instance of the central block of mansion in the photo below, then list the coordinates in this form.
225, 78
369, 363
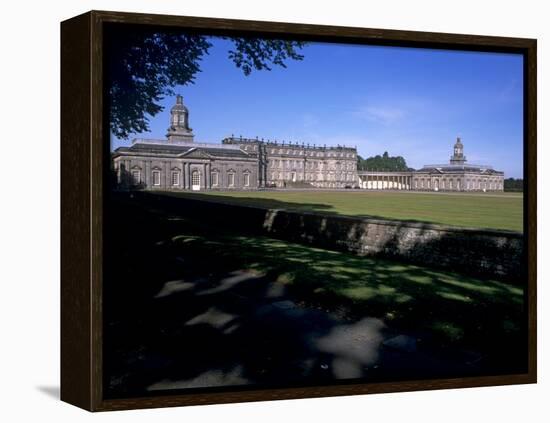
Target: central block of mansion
180, 163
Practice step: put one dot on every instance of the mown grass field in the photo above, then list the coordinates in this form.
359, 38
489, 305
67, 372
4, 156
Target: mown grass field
479, 210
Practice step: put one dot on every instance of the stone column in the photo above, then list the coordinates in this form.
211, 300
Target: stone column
207, 176
186, 176
147, 173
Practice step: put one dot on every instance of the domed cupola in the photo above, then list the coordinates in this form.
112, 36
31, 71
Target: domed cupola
458, 157
179, 130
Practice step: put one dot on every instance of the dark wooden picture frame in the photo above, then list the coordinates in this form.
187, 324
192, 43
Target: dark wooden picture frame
83, 164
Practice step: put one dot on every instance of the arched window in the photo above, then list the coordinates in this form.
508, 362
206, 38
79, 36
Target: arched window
231, 179
136, 177
175, 178
215, 179
246, 179
156, 178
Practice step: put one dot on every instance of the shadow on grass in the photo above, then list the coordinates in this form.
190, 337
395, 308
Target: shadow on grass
270, 203
188, 305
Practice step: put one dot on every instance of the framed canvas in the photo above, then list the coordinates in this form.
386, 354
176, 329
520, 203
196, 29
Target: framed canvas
258, 211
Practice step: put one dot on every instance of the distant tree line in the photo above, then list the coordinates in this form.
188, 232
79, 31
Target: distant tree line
511, 184
385, 162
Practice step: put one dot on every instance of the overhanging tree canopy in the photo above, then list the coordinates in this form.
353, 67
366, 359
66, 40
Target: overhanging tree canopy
144, 67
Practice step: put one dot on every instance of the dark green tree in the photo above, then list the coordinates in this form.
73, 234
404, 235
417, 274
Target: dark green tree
145, 66
385, 162
511, 184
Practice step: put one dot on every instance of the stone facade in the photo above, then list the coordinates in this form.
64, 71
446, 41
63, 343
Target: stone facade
158, 166
455, 176
300, 165
179, 163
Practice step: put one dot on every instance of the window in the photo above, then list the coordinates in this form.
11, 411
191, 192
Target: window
196, 178
231, 179
156, 177
215, 179
175, 178
247, 179
136, 177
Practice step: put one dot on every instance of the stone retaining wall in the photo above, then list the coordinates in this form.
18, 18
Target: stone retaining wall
488, 253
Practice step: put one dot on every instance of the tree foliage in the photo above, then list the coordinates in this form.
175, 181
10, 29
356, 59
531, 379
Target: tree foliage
511, 184
144, 67
385, 162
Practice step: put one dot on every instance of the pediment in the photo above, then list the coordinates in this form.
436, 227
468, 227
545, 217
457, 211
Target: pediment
195, 153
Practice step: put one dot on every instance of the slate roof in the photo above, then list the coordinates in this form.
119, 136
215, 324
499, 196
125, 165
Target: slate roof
155, 149
177, 150
485, 170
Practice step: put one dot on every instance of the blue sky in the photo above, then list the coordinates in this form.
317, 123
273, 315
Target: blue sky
409, 102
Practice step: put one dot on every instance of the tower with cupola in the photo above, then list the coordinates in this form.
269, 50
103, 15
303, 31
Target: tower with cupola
458, 157
179, 130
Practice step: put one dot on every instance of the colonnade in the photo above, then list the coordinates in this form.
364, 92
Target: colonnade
385, 180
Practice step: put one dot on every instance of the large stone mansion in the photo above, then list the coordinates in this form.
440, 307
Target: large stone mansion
180, 163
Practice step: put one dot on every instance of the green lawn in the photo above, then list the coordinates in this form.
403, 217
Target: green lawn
490, 210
